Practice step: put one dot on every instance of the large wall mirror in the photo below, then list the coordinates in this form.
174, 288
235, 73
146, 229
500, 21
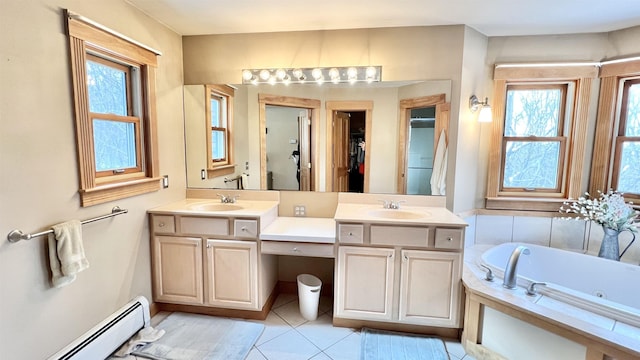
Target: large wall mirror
362, 138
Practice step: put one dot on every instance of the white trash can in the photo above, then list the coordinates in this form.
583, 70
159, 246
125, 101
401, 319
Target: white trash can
309, 295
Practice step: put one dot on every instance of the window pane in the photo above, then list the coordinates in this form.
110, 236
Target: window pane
107, 89
218, 111
629, 176
218, 145
633, 111
531, 164
114, 144
532, 112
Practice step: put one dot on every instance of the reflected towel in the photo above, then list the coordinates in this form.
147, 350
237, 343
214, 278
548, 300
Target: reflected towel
143, 337
439, 175
66, 252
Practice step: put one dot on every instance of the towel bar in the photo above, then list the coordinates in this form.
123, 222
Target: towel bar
17, 235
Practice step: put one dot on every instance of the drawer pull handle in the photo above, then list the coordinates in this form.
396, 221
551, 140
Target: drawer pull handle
161, 224
244, 228
295, 249
350, 234
449, 238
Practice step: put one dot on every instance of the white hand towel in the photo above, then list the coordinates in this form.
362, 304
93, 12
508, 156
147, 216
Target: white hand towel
439, 175
66, 253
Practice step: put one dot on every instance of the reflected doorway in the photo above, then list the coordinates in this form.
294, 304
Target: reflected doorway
288, 155
348, 137
420, 149
349, 150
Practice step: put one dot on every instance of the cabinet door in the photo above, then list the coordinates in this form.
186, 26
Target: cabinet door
232, 274
177, 269
364, 288
430, 288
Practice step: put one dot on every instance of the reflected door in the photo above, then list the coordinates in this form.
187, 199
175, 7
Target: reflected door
341, 151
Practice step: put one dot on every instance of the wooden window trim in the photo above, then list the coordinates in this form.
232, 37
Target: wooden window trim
84, 41
606, 143
225, 166
576, 133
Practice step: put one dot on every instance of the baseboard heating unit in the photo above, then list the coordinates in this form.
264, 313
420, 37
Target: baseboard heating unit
103, 339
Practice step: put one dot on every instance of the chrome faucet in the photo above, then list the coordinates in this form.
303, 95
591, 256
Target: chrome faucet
510, 275
230, 199
390, 204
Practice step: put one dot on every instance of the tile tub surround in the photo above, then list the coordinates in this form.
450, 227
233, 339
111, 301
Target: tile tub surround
597, 333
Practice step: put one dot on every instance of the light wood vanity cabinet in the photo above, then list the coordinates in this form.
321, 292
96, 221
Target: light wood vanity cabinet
211, 261
404, 274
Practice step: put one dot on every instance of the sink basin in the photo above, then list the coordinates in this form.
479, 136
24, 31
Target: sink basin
397, 214
215, 207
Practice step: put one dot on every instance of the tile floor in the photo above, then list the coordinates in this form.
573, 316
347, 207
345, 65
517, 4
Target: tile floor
288, 336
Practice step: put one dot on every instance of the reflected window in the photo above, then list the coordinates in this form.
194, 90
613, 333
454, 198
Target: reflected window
220, 124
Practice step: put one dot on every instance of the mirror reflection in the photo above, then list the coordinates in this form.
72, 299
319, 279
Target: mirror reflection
328, 140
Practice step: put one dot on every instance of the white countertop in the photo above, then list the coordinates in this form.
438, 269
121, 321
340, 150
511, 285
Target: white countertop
416, 215
252, 208
301, 229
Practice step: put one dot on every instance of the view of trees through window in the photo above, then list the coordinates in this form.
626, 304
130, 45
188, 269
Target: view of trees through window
532, 137
114, 128
629, 167
218, 128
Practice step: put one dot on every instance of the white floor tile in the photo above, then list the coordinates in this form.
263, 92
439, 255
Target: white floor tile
274, 326
454, 348
468, 357
321, 356
289, 346
322, 333
283, 299
345, 349
290, 312
255, 354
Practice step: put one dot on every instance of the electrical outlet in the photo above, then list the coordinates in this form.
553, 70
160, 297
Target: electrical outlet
298, 210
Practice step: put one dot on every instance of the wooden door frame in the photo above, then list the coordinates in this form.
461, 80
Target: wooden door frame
348, 106
278, 100
442, 123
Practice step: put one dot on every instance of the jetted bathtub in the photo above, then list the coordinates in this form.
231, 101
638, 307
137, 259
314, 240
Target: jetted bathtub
602, 286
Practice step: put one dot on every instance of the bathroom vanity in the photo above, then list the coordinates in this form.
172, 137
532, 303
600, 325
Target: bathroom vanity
398, 267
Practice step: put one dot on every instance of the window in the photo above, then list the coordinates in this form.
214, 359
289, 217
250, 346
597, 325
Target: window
626, 169
533, 142
539, 135
616, 152
219, 116
114, 99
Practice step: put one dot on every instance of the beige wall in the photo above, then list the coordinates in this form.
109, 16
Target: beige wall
39, 178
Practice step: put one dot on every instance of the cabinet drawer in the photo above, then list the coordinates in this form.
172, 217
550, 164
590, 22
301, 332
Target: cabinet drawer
399, 235
163, 224
205, 226
297, 249
449, 238
245, 229
350, 233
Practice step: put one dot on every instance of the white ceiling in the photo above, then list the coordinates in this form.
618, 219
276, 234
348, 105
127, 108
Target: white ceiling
490, 17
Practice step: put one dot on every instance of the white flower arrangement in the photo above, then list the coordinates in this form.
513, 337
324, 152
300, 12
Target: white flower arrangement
608, 210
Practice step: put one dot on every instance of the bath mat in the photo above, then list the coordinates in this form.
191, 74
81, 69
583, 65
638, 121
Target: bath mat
199, 337
387, 345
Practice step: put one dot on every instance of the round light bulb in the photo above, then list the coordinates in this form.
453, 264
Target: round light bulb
316, 73
265, 74
272, 80
334, 73
286, 80
298, 74
247, 75
371, 72
280, 74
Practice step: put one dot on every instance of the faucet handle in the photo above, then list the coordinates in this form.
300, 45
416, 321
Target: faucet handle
232, 199
385, 204
489, 276
396, 204
223, 198
531, 290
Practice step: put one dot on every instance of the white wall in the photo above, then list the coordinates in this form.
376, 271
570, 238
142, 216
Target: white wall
282, 127
39, 176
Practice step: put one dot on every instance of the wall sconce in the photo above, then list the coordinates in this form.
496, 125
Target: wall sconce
485, 108
336, 75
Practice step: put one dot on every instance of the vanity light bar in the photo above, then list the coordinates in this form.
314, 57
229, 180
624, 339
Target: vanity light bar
319, 75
